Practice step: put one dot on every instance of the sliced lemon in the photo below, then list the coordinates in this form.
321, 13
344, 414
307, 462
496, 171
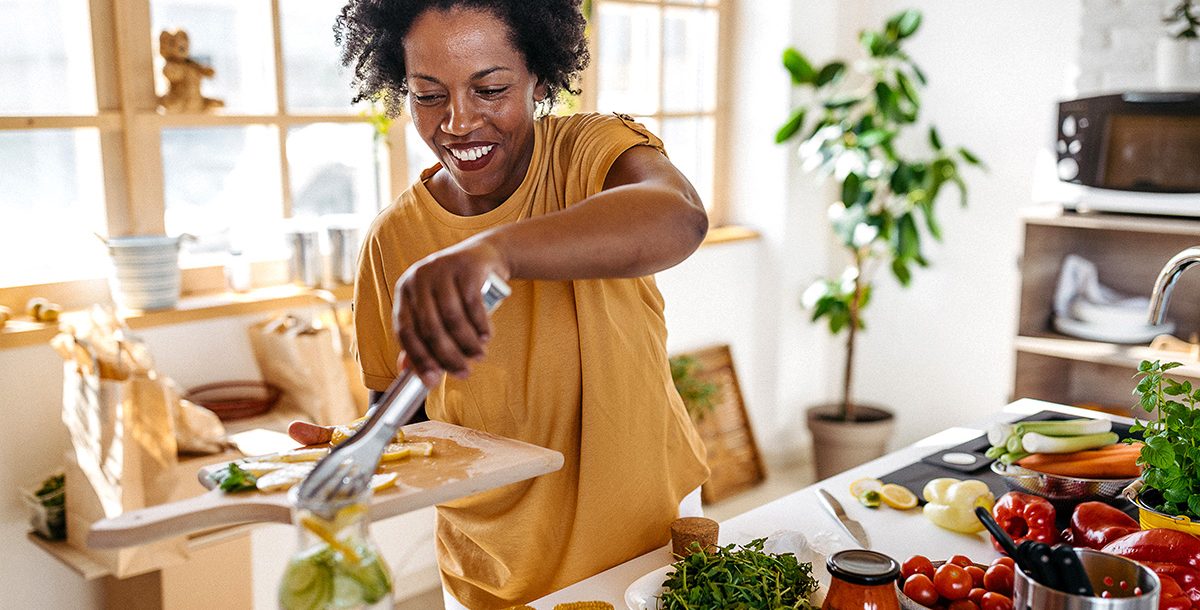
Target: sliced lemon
862, 486
897, 496
297, 455
283, 478
318, 527
397, 451
383, 481
258, 468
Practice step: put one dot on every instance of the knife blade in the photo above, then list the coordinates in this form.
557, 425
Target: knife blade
852, 527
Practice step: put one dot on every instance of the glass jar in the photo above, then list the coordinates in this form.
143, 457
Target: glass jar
862, 580
337, 565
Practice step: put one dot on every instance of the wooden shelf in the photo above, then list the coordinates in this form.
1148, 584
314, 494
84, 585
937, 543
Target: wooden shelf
1108, 354
1053, 216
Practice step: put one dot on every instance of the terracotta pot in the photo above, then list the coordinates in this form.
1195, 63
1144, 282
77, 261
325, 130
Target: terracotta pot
840, 445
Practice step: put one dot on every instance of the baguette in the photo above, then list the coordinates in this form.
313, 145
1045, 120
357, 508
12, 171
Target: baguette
1117, 461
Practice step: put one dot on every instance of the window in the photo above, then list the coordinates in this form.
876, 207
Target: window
658, 61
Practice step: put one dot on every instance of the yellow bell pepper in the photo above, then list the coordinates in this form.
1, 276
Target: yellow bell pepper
951, 503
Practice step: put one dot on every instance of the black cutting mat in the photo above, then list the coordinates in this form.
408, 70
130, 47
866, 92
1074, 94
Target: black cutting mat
915, 476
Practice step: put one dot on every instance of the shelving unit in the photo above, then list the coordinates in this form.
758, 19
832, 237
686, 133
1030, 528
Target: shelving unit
1128, 251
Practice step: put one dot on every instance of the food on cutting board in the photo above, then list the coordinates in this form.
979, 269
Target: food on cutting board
952, 583
1025, 517
340, 569
950, 503
737, 576
1014, 441
872, 492
280, 471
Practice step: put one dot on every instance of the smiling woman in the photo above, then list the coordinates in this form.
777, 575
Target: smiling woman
576, 213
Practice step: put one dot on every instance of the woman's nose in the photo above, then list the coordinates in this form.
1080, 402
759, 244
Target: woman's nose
462, 118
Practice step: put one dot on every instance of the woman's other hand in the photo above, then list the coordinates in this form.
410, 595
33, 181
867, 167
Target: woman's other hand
439, 314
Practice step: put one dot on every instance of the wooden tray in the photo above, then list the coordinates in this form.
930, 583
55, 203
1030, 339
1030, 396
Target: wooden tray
464, 462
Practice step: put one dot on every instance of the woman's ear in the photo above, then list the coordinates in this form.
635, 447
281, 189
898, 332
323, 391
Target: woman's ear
540, 91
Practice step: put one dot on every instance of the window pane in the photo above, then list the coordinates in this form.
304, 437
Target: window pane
314, 79
629, 54
234, 37
52, 199
222, 185
690, 60
690, 143
46, 41
332, 169
420, 157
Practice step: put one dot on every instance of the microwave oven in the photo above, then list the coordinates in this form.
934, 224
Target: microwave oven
1133, 152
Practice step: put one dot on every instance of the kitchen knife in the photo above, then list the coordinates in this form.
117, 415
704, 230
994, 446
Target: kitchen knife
852, 527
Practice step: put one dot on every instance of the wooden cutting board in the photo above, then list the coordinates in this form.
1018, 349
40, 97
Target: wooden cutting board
464, 462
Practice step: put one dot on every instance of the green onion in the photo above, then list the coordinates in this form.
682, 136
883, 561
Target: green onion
1035, 442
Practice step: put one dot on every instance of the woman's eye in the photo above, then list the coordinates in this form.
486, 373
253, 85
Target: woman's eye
492, 91
427, 99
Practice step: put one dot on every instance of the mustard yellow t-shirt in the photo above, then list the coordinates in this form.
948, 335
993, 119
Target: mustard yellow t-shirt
576, 366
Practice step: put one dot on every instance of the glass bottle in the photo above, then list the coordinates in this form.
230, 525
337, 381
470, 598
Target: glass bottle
337, 565
862, 580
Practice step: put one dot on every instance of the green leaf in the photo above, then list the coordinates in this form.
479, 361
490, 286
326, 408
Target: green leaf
841, 102
873, 137
908, 245
934, 140
1176, 495
931, 222
900, 270
908, 21
1158, 452
831, 73
799, 67
886, 98
790, 128
874, 43
970, 157
851, 189
919, 74
907, 89
1193, 503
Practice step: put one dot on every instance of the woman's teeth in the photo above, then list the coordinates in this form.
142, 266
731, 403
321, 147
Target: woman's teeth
471, 154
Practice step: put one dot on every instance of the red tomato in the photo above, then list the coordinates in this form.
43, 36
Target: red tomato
952, 581
976, 574
1006, 560
996, 601
960, 560
920, 589
917, 564
999, 578
976, 594
962, 604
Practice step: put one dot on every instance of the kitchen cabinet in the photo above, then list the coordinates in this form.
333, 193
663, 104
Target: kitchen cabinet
1128, 252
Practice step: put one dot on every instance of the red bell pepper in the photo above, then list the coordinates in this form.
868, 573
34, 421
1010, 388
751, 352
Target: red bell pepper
1188, 578
1171, 596
1095, 524
1158, 544
1025, 517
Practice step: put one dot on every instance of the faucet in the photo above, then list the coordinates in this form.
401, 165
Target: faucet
1166, 282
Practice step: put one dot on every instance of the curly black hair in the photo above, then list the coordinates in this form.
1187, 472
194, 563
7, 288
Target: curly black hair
548, 33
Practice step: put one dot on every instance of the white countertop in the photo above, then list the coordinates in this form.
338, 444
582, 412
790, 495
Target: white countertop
898, 534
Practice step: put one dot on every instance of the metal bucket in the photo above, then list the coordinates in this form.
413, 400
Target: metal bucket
1121, 578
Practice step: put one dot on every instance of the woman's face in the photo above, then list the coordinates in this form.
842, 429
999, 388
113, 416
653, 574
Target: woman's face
472, 99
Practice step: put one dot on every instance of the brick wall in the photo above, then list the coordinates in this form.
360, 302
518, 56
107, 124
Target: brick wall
1117, 44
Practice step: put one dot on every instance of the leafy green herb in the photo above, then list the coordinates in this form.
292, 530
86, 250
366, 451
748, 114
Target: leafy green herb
697, 393
1170, 458
739, 577
232, 478
53, 497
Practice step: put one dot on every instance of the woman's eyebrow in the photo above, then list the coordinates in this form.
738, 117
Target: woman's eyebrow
476, 76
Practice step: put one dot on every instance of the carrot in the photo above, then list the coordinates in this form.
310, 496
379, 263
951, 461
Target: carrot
1112, 462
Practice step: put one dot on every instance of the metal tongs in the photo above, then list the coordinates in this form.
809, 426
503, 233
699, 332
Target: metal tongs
346, 472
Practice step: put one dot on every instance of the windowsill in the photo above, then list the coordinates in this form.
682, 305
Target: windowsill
191, 308
24, 333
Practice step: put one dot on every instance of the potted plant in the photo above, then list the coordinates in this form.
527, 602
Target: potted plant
850, 125
698, 394
1178, 55
1168, 493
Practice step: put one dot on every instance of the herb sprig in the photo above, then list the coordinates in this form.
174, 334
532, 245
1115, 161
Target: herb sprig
1171, 455
739, 577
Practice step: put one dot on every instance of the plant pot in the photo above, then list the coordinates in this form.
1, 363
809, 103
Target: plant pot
1150, 518
1177, 64
840, 445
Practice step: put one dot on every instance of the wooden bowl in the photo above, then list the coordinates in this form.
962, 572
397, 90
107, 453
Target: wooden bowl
235, 399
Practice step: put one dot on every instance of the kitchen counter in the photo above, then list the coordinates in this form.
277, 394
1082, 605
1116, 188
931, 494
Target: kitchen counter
893, 532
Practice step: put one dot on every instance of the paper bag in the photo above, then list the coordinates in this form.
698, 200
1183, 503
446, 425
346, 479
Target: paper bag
304, 361
118, 415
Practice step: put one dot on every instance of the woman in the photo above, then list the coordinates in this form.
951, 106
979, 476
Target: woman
576, 213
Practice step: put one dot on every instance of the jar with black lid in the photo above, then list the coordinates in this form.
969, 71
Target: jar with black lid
862, 580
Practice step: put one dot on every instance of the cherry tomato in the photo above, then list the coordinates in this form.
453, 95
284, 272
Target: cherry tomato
976, 594
960, 560
952, 581
963, 604
995, 601
917, 564
920, 589
976, 574
1006, 560
999, 578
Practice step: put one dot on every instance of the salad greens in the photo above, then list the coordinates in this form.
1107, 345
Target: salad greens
1170, 458
233, 478
743, 578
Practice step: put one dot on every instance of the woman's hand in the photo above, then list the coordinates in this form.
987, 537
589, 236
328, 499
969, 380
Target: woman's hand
439, 314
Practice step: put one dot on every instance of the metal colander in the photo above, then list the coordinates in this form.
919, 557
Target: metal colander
1057, 487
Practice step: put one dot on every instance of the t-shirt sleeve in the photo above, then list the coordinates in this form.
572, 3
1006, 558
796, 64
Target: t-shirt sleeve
600, 140
377, 346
